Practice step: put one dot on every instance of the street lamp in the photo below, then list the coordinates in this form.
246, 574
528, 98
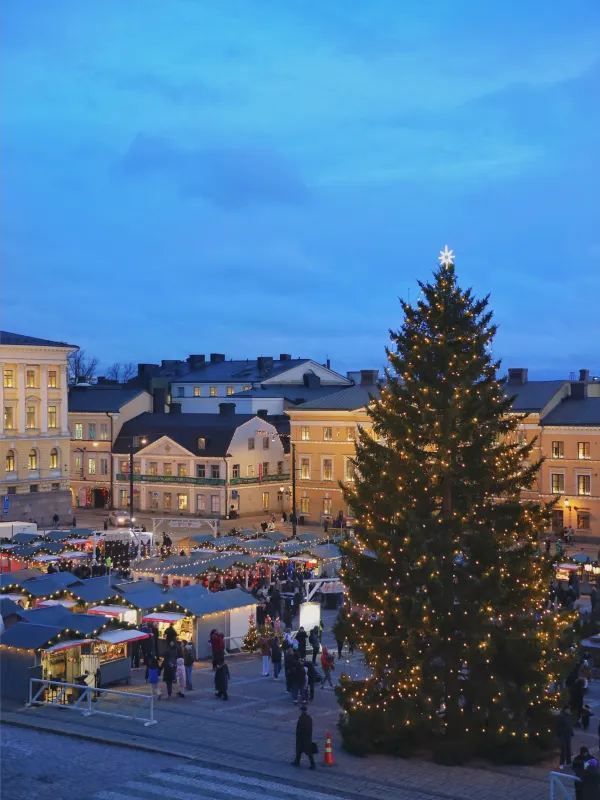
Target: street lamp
288, 436
134, 441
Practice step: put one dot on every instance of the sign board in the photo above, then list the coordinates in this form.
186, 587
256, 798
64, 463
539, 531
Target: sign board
5, 504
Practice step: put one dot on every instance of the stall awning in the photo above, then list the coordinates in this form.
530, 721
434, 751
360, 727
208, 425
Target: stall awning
73, 554
163, 616
48, 603
118, 637
108, 611
67, 645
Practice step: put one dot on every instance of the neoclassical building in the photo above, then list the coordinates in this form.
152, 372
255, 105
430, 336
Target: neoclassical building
34, 432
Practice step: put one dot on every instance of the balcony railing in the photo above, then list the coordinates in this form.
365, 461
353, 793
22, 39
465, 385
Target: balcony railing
124, 476
284, 478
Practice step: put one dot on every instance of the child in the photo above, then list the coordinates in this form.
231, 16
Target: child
153, 676
222, 680
181, 679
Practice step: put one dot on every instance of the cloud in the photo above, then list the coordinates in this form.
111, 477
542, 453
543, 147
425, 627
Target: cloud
228, 176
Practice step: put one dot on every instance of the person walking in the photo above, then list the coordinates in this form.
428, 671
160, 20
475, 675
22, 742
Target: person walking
153, 677
315, 643
578, 768
215, 646
327, 665
170, 634
304, 738
298, 680
275, 656
189, 656
312, 677
265, 651
564, 731
289, 660
301, 638
169, 667
222, 680
181, 677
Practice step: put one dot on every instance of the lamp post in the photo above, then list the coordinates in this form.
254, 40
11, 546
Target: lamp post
288, 436
134, 441
226, 460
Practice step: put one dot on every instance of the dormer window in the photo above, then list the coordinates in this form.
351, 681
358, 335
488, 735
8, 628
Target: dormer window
201, 443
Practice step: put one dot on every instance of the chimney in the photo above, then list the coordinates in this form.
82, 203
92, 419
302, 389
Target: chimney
227, 409
264, 364
311, 381
328, 364
196, 361
217, 358
579, 390
147, 370
159, 400
175, 408
354, 376
285, 357
584, 375
517, 375
262, 413
368, 377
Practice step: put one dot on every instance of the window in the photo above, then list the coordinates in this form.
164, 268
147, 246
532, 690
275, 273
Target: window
182, 470
33, 459
77, 464
305, 469
246, 387
557, 482
201, 470
182, 502
10, 461
350, 434
154, 501
9, 418
327, 506
78, 434
215, 471
197, 391
305, 433
181, 391
250, 470
265, 442
251, 443
52, 379
152, 468
583, 520
349, 470
34, 488
167, 468
55, 487
215, 504
235, 471
91, 430
584, 484
123, 498
230, 390
30, 379
91, 466
167, 501
104, 466
212, 391
583, 449
124, 467
137, 468
9, 379
52, 417
265, 469
327, 469
558, 449
54, 458
265, 501
304, 505
201, 443
30, 417
201, 502
327, 434
104, 431
280, 467
11, 490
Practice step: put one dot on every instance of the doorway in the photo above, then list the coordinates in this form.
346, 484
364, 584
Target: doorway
99, 498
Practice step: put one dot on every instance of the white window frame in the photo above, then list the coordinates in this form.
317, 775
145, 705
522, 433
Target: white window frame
557, 472
301, 459
323, 460
305, 433
587, 474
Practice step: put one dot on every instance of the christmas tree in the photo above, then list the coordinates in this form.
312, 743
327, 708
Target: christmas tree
251, 637
445, 569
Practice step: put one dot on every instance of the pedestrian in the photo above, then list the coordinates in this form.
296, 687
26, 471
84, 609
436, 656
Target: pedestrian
189, 656
74, 522
314, 643
214, 643
586, 713
312, 677
153, 677
340, 647
299, 680
547, 545
289, 660
301, 638
564, 732
593, 599
265, 651
169, 667
275, 656
327, 665
304, 734
181, 676
106, 524
222, 680
576, 698
170, 634
55, 519
578, 768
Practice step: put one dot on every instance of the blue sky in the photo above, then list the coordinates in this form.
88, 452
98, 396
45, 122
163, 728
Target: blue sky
264, 177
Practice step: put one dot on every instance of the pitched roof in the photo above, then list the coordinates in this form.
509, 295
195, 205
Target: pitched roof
90, 399
245, 371
93, 590
532, 395
46, 585
64, 619
584, 411
29, 636
20, 339
348, 399
19, 576
9, 608
292, 392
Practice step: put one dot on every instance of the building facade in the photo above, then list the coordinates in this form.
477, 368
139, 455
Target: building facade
208, 465
34, 437
96, 415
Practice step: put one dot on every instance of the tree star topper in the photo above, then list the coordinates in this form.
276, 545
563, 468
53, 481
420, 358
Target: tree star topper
446, 257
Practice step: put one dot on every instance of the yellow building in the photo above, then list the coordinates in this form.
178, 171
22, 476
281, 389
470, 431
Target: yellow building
96, 415
324, 433
34, 438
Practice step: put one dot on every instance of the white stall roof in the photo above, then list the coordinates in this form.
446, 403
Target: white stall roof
117, 637
163, 616
64, 602
67, 645
108, 611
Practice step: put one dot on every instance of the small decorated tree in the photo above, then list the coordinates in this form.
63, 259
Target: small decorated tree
251, 637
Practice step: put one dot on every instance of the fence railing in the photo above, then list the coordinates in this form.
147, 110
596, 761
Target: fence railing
91, 700
562, 785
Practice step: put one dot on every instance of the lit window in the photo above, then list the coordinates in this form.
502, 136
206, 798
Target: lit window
558, 449
235, 471
104, 431
305, 433
349, 470
246, 388
584, 484
30, 379
583, 520
213, 391
583, 450
215, 503
201, 502
265, 469
182, 502
327, 434
201, 470
167, 468
201, 443
327, 469
52, 379
78, 430
153, 468
304, 505
230, 390
33, 459
77, 464
305, 469
250, 470
265, 442
52, 417
9, 379
154, 501
30, 417
167, 501
181, 471
91, 466
265, 501
327, 506
124, 467
197, 391
215, 471
350, 434
10, 461
104, 466
9, 418
92, 430
54, 458
251, 443
557, 482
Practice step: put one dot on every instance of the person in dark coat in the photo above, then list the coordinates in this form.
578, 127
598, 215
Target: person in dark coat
169, 667
304, 735
313, 677
301, 638
315, 643
289, 662
298, 680
564, 731
276, 656
222, 680
170, 634
578, 767
576, 693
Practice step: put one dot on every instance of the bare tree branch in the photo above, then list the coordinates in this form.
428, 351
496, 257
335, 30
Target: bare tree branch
121, 371
81, 367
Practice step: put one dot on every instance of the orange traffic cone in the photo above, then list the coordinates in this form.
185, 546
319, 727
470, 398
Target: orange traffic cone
328, 755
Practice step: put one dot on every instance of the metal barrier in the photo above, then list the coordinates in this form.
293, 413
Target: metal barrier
87, 699
562, 785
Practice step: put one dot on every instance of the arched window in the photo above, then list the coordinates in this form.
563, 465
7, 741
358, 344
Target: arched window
33, 459
10, 461
54, 458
